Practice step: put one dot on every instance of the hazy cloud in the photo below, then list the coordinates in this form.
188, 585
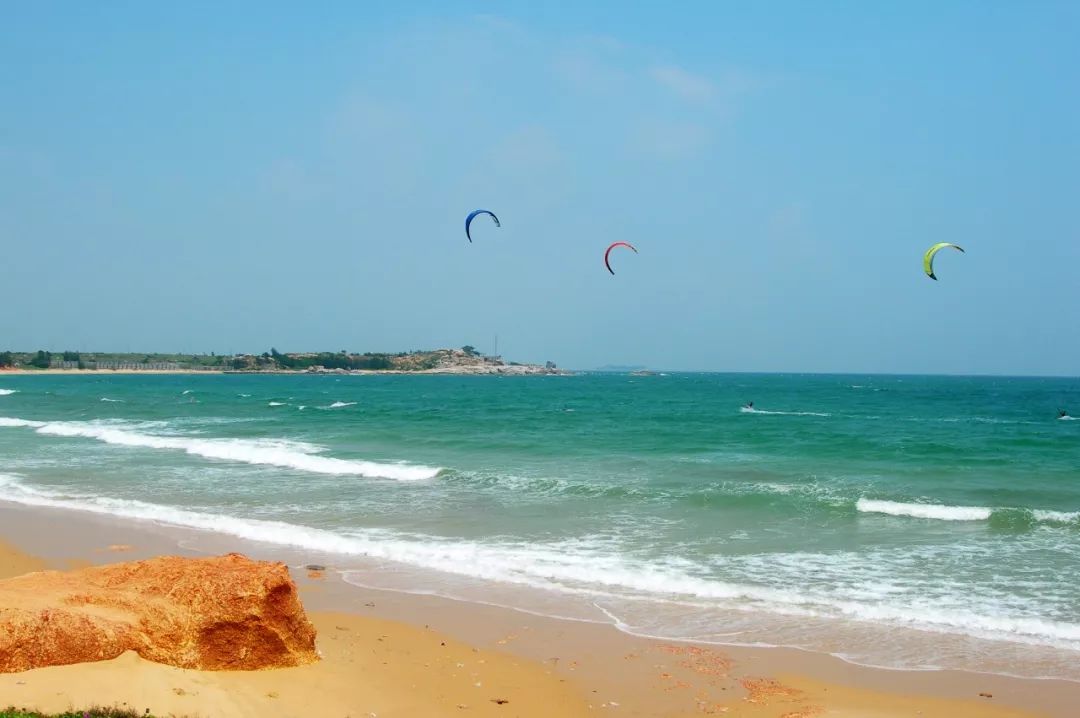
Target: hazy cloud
686, 85
671, 140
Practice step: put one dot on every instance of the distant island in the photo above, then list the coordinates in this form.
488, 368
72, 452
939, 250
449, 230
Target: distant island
466, 360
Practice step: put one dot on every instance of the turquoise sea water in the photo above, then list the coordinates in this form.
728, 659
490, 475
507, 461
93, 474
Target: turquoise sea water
901, 521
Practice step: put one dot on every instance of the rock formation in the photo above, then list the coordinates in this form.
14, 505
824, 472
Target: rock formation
220, 613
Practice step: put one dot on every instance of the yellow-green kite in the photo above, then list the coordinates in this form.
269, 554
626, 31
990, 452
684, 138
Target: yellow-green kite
928, 258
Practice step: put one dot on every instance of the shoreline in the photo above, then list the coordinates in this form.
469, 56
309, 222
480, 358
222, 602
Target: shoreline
598, 655
97, 372
508, 370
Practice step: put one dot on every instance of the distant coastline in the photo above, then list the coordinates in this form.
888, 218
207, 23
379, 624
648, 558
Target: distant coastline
464, 361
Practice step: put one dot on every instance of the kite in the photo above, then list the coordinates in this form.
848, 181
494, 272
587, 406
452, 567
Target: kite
472, 216
928, 259
608, 253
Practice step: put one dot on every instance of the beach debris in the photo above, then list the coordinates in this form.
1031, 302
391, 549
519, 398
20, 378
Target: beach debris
764, 690
473, 215
986, 695
499, 701
703, 661
712, 708
217, 613
272, 694
612, 246
315, 567
928, 258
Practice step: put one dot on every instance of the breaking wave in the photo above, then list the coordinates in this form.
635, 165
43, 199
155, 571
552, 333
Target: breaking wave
943, 512
266, 452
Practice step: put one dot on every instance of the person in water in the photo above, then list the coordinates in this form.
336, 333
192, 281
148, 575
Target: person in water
1062, 414
749, 405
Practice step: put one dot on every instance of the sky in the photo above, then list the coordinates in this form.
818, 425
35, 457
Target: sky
228, 177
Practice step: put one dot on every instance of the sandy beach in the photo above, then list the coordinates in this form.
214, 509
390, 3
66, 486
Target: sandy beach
397, 654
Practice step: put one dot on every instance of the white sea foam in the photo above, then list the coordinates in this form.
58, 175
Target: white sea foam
751, 410
1067, 418
267, 452
1057, 517
5, 421
244, 396
276, 403
960, 513
185, 391
8, 392
112, 401
340, 404
592, 566
924, 511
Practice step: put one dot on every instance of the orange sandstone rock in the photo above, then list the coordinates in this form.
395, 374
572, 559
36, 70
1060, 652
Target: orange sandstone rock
220, 613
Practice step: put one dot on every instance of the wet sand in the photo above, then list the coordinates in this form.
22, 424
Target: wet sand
397, 654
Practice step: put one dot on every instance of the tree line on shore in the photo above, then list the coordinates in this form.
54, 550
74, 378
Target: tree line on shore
267, 361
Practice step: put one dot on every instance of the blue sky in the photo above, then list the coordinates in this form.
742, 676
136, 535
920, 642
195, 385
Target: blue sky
202, 178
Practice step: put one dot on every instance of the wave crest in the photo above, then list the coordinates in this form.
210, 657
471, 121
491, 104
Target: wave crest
1003, 517
267, 452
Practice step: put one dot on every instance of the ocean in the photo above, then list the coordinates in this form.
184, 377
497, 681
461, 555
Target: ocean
900, 521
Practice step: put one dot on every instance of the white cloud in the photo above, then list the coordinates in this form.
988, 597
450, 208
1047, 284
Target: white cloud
690, 87
594, 64
671, 140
